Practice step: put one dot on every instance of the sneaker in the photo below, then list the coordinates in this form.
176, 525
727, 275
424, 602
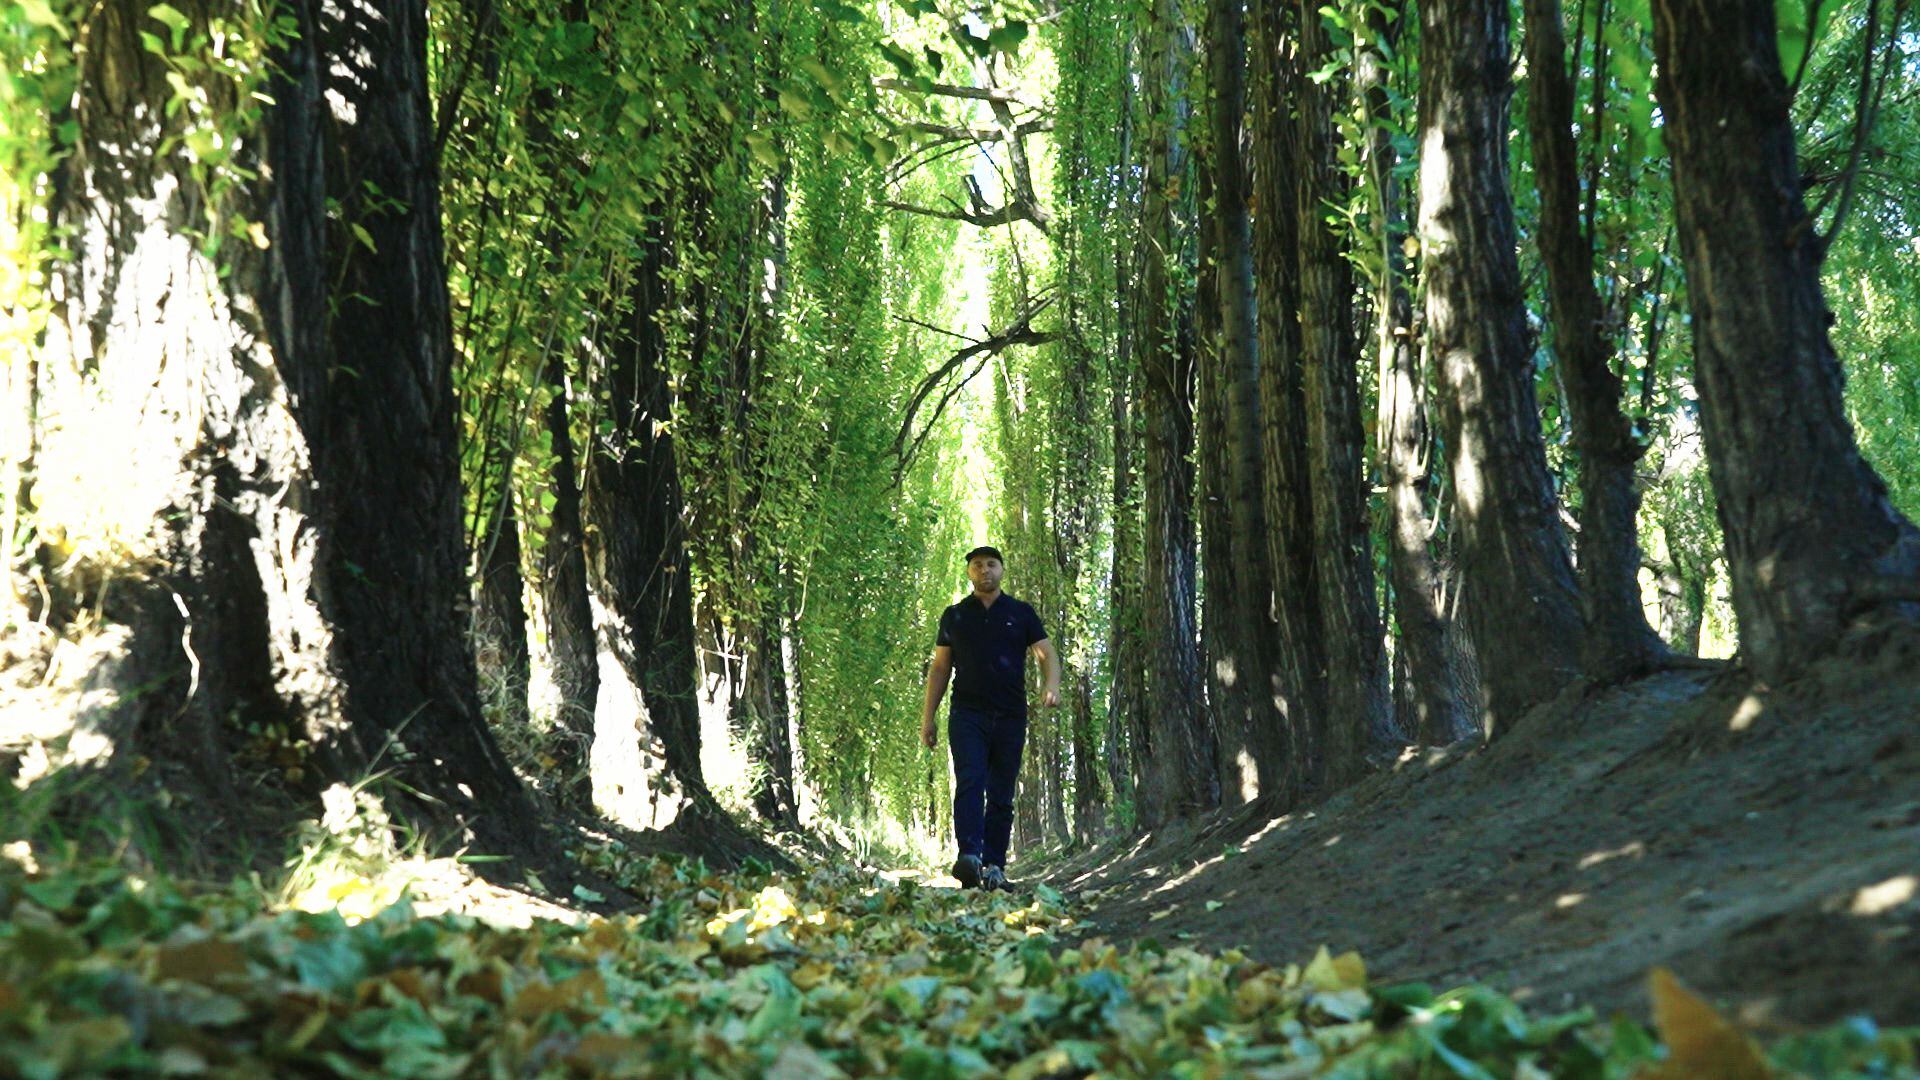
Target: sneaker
994, 879
966, 869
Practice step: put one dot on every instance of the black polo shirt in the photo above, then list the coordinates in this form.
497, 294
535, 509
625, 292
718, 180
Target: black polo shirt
990, 652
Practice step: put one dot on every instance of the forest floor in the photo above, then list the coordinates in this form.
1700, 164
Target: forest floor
1498, 905
1763, 844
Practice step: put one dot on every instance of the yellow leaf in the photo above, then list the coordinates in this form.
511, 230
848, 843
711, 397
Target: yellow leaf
1701, 1044
538, 999
257, 233
812, 974
1327, 972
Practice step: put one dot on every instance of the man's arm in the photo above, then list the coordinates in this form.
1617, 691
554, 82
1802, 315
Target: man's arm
1049, 672
938, 672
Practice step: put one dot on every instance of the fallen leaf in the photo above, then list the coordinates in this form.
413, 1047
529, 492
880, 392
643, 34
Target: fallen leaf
1701, 1044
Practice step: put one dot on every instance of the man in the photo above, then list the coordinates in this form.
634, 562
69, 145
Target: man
986, 638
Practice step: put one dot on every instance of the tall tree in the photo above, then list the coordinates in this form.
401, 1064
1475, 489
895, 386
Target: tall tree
1179, 774
1357, 702
1300, 689
572, 652
313, 543
1618, 640
500, 610
1431, 702
1522, 606
636, 538
1247, 720
1815, 550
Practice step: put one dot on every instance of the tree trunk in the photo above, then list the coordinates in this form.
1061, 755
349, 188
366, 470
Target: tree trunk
1522, 606
1815, 551
1179, 761
1300, 688
1126, 652
1619, 643
311, 507
500, 614
1430, 704
1252, 760
571, 648
1357, 699
1223, 629
1683, 605
636, 546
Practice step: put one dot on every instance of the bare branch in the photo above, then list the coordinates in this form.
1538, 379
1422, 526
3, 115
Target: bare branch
974, 135
937, 329
973, 93
1019, 332
989, 218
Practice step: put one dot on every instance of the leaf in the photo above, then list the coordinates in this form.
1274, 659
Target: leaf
200, 961
361, 234
40, 13
174, 20
1701, 1044
329, 963
902, 60
819, 73
795, 105
1007, 38
581, 892
1327, 972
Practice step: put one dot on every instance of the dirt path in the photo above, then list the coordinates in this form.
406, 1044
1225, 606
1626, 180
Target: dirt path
1765, 845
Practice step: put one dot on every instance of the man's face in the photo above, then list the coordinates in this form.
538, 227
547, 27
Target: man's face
984, 571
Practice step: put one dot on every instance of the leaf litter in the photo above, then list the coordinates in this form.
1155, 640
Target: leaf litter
835, 972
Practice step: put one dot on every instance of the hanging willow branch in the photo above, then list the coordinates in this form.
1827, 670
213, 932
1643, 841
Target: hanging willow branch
1020, 331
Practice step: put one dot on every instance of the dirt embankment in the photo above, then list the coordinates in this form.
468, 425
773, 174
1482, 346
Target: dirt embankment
1763, 843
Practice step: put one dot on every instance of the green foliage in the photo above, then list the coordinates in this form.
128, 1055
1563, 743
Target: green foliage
833, 973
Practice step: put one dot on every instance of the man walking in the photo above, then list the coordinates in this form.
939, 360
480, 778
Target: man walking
985, 637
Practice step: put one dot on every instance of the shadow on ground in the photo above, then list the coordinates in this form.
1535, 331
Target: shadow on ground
1763, 843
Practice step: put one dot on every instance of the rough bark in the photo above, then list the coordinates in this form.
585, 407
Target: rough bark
571, 648
1179, 771
1126, 706
500, 614
764, 699
636, 546
1357, 696
312, 513
1683, 605
1619, 643
1815, 550
1300, 686
1252, 758
1431, 705
1126, 699
1522, 606
1223, 631
1073, 516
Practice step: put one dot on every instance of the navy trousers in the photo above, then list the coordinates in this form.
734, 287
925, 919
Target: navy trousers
986, 768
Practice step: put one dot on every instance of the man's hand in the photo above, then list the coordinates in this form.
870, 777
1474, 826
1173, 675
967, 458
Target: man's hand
1050, 698
929, 733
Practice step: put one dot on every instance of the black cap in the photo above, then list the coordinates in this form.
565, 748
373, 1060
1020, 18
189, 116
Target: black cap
984, 550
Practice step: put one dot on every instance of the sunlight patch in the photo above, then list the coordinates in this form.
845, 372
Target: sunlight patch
1624, 851
1884, 897
1747, 713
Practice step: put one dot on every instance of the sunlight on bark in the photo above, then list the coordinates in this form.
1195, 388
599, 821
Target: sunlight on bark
1249, 776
